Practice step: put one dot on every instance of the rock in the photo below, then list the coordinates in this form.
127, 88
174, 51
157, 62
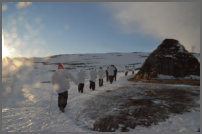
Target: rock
170, 58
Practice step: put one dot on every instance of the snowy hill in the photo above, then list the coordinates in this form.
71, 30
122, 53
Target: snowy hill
27, 91
76, 61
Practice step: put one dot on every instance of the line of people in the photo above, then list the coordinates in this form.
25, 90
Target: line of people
62, 77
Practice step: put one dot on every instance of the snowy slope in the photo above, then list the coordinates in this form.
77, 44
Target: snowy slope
30, 105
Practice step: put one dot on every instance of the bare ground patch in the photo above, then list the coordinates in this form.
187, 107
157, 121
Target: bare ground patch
145, 107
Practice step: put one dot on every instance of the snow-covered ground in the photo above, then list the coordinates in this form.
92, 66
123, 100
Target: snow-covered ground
29, 103
168, 77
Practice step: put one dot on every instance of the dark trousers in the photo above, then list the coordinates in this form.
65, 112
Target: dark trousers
100, 82
107, 78
115, 76
126, 73
111, 79
132, 72
92, 85
80, 87
62, 100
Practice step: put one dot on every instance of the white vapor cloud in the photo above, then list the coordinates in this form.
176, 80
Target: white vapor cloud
28, 44
23, 4
4, 8
178, 20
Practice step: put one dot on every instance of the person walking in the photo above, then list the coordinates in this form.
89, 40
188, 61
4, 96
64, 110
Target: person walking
100, 76
111, 73
107, 74
92, 78
115, 72
126, 70
133, 69
81, 79
60, 81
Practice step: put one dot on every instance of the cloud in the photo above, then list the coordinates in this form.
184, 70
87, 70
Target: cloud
23, 4
179, 20
4, 8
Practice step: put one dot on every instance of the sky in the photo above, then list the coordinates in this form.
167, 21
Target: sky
39, 29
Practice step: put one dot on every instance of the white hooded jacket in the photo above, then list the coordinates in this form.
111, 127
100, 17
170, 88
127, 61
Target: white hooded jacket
101, 73
111, 70
81, 76
61, 79
133, 68
92, 75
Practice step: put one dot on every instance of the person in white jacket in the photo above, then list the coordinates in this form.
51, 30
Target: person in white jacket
111, 73
60, 81
126, 70
81, 79
101, 73
92, 78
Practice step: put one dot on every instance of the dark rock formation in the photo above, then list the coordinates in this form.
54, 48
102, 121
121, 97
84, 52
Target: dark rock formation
170, 58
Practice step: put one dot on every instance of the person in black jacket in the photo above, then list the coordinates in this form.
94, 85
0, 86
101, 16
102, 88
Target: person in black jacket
115, 72
126, 70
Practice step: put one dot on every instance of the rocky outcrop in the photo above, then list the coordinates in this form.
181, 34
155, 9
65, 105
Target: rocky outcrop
170, 58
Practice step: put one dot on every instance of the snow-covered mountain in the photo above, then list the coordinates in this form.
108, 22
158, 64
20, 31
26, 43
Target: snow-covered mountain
30, 105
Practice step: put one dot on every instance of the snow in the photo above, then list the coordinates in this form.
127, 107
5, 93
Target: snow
197, 56
181, 48
165, 77
29, 103
194, 77
169, 77
188, 122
